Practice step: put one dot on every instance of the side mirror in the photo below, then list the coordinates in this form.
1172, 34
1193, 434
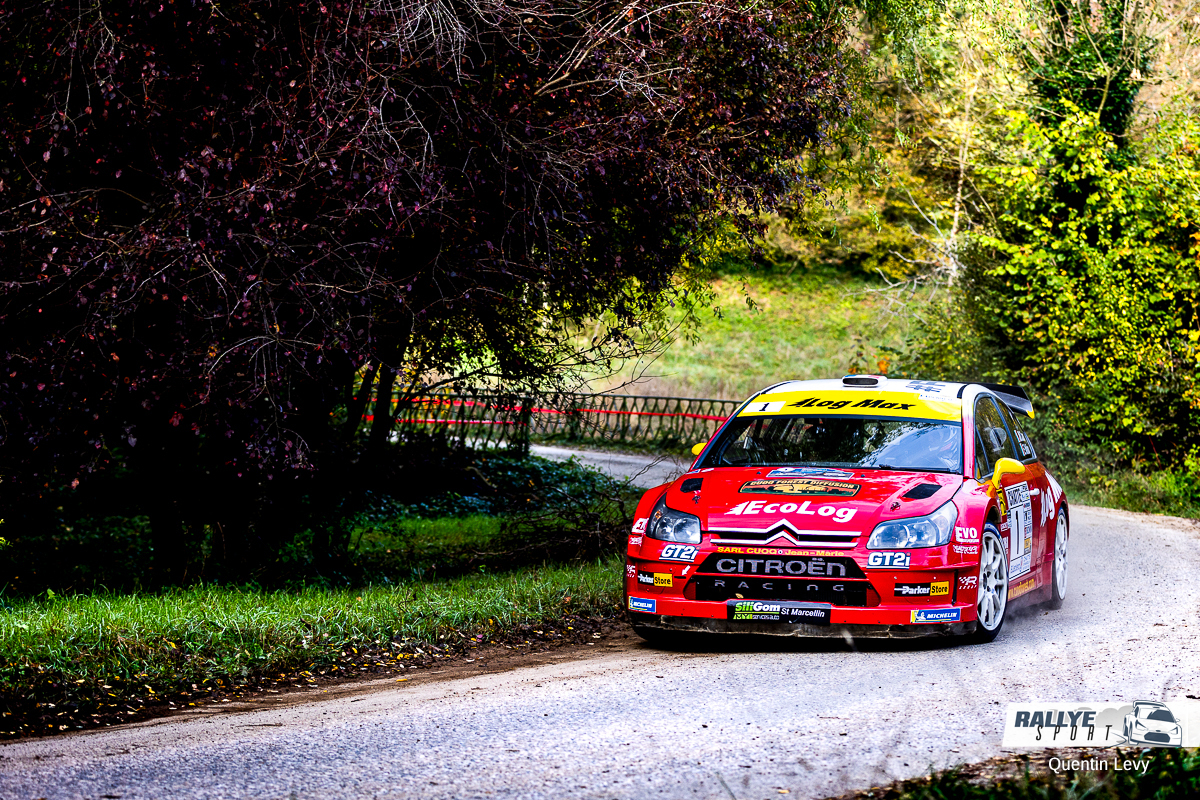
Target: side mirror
1006, 466
696, 448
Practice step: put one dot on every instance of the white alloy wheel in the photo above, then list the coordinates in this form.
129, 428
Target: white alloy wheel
1059, 579
993, 585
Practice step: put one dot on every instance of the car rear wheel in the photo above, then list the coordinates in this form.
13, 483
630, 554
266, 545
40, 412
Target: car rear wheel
993, 585
1058, 579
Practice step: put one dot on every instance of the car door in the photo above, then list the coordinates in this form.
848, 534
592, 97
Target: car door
1041, 500
994, 441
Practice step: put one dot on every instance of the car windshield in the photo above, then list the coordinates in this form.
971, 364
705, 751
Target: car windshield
1161, 715
847, 442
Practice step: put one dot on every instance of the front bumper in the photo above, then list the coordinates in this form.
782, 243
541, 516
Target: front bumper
879, 622
832, 631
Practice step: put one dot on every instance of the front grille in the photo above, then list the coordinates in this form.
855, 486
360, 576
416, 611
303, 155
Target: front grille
1157, 737
806, 538
839, 593
781, 566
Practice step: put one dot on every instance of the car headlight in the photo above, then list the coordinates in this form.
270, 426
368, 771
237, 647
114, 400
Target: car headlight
931, 530
670, 525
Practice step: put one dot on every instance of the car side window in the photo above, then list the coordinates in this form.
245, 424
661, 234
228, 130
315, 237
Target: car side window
991, 434
1022, 442
983, 467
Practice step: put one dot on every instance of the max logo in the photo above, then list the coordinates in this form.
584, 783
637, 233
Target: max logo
832, 405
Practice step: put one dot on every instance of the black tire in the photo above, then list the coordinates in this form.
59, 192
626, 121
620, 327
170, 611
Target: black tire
992, 602
1058, 575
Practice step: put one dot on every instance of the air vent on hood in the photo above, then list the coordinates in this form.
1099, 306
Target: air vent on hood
922, 491
861, 380
691, 485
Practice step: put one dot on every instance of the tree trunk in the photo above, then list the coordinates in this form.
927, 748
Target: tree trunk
358, 402
381, 426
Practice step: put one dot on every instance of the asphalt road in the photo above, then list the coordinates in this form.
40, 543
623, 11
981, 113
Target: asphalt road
742, 720
639, 470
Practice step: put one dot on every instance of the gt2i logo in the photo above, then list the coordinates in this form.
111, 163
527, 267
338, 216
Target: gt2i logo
679, 552
968, 582
886, 559
966, 534
802, 509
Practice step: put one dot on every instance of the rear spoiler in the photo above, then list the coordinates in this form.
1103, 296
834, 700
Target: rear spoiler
1012, 396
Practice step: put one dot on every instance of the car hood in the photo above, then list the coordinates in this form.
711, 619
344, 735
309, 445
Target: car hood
791, 501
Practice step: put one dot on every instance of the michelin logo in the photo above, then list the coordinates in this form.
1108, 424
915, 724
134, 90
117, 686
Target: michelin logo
936, 615
643, 604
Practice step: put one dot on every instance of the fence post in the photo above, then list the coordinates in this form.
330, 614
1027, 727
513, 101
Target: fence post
574, 417
519, 440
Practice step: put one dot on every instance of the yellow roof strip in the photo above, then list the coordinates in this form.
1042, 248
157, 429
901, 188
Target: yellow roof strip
874, 403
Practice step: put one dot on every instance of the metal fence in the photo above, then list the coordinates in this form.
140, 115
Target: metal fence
484, 419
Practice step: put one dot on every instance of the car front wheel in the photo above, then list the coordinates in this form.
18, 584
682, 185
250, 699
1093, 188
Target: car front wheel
993, 585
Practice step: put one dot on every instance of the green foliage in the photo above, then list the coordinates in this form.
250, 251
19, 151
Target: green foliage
450, 506
1092, 297
1170, 775
1090, 56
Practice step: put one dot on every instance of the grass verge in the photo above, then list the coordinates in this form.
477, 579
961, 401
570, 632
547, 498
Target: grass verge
775, 325
1169, 774
73, 662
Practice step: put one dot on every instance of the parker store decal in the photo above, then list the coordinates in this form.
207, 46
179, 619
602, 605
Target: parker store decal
1141, 723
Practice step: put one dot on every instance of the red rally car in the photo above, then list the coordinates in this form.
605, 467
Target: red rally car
861, 506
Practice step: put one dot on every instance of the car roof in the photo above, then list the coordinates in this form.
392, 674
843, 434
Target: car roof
938, 392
